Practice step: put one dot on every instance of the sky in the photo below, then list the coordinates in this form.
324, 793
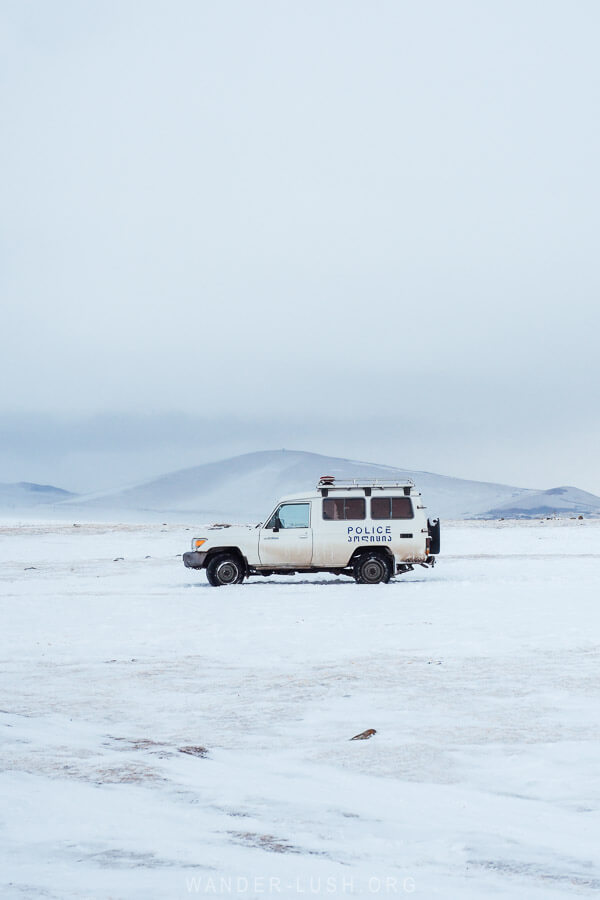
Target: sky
367, 229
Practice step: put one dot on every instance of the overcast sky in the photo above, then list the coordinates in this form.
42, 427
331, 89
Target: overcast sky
361, 228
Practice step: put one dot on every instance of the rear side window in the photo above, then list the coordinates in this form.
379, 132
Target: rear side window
391, 508
344, 508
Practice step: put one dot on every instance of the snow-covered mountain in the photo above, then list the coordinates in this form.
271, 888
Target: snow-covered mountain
25, 495
559, 500
246, 487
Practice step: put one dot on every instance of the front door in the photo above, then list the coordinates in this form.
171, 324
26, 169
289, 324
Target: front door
286, 540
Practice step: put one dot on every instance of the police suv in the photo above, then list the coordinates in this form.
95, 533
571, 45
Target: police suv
370, 530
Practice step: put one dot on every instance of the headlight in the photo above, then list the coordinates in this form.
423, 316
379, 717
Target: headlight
197, 543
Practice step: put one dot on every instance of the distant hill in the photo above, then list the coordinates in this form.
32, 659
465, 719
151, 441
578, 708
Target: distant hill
559, 500
27, 495
245, 487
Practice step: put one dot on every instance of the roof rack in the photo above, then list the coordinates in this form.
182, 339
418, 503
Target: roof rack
327, 483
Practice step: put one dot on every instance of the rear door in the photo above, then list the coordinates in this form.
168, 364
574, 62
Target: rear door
286, 540
339, 526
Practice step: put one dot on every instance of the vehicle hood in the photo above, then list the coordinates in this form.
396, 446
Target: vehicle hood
230, 534
228, 529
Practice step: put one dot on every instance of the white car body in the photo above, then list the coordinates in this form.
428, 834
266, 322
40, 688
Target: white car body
325, 530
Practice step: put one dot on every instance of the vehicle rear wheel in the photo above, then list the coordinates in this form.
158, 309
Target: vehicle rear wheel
371, 569
225, 568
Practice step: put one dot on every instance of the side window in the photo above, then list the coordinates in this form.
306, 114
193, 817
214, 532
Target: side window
344, 508
291, 515
391, 508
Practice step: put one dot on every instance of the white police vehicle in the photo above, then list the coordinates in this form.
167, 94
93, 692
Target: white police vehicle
370, 530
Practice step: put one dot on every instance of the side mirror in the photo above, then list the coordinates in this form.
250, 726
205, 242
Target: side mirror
275, 527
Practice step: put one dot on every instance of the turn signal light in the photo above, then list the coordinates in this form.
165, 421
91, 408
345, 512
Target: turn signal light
199, 541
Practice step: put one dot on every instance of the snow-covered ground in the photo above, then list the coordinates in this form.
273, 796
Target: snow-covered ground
480, 677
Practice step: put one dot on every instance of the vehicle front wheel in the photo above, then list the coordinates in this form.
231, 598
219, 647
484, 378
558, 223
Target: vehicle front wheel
371, 569
225, 569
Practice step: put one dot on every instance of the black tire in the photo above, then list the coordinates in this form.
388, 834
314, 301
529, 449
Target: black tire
225, 568
372, 568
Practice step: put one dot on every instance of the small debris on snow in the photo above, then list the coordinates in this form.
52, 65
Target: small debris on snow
364, 735
270, 843
202, 752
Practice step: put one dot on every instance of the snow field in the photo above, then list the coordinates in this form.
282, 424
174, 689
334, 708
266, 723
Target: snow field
480, 677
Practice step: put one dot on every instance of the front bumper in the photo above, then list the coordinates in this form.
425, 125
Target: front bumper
194, 559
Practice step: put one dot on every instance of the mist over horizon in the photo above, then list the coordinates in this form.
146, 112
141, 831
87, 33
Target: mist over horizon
83, 454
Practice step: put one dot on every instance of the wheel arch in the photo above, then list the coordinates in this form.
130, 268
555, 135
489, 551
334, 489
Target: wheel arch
377, 550
234, 551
